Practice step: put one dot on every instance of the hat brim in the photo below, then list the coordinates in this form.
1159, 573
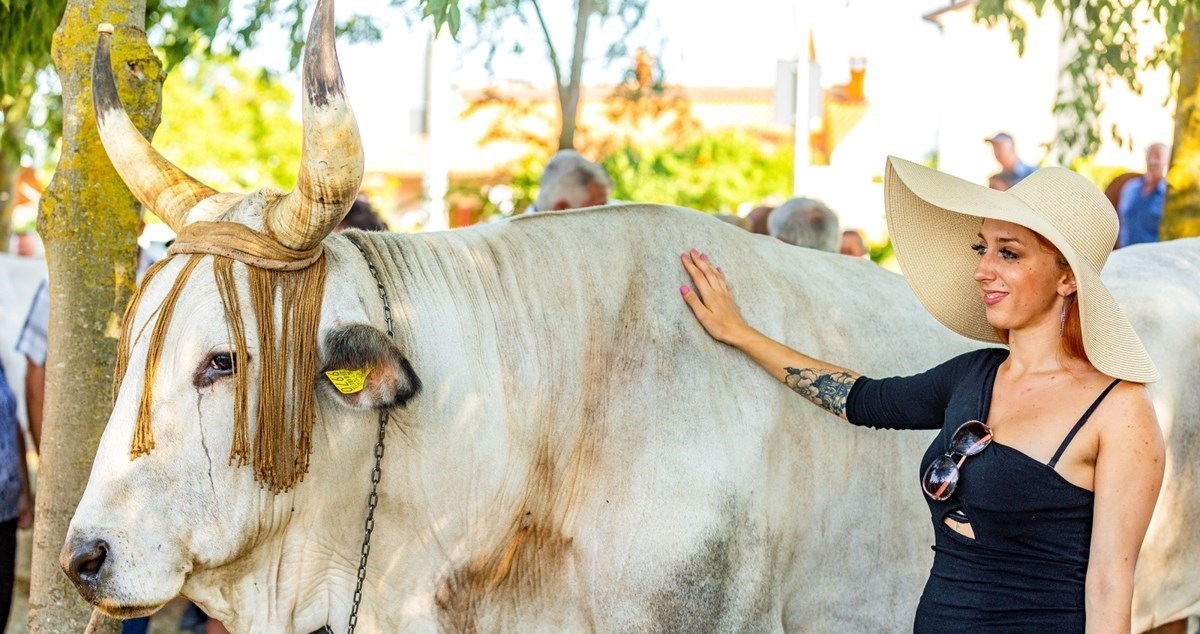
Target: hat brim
934, 219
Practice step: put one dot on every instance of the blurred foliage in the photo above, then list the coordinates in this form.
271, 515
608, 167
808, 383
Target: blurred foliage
714, 172
178, 29
643, 109
514, 118
229, 126
1100, 174
443, 12
510, 25
883, 254
651, 145
655, 151
1104, 37
26, 27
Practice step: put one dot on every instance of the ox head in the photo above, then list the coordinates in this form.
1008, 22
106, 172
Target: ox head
221, 347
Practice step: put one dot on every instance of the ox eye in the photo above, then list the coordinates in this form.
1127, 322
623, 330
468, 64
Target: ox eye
216, 366
222, 362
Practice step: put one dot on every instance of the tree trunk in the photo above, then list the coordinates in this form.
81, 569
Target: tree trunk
88, 220
1181, 212
569, 94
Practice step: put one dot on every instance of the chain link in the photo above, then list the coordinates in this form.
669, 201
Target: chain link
373, 498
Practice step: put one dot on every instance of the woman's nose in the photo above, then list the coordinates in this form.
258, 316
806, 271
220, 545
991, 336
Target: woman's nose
983, 270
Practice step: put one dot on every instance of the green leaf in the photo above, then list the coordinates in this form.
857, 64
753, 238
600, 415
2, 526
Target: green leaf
455, 20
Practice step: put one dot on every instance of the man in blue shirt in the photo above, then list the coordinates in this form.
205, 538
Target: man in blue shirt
1012, 168
16, 508
1140, 206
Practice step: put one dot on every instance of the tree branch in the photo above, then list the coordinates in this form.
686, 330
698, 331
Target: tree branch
558, 83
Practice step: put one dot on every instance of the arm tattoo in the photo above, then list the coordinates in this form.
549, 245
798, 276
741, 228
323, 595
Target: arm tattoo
826, 389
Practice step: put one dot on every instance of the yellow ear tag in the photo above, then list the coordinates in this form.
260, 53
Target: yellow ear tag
348, 381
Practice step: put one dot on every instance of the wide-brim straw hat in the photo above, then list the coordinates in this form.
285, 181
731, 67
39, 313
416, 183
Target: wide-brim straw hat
934, 219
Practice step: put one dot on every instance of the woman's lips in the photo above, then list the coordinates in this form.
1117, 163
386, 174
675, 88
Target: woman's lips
991, 298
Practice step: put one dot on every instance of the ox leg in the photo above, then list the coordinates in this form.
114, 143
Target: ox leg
1174, 627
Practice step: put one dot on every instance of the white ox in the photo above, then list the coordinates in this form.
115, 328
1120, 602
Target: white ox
1159, 287
580, 456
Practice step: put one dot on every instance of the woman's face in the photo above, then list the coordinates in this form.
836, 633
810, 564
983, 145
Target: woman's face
1020, 280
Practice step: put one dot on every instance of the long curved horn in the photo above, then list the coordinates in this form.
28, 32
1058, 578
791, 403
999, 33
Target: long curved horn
331, 161
165, 189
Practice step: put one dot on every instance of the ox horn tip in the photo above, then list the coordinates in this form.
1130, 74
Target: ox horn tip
105, 28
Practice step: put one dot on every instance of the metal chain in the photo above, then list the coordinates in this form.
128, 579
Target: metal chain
373, 498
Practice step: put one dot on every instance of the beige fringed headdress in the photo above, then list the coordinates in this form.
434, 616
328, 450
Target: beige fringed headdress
287, 347
284, 260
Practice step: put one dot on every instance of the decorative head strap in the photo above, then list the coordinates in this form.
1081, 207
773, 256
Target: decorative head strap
241, 243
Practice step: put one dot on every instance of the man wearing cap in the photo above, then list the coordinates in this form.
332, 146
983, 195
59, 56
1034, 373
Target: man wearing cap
1012, 168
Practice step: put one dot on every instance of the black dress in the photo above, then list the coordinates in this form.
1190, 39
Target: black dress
1024, 570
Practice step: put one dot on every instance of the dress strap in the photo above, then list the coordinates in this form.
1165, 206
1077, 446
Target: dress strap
1083, 419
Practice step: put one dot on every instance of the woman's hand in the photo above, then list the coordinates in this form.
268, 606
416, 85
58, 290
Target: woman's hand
712, 301
825, 384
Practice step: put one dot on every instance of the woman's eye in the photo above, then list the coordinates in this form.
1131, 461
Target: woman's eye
223, 362
1007, 254
979, 248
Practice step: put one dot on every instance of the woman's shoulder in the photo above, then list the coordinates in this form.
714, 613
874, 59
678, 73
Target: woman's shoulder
1131, 397
1127, 430
1127, 411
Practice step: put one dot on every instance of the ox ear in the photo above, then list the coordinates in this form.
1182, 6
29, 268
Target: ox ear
366, 370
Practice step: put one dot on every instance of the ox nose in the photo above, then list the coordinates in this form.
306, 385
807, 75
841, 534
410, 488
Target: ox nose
84, 563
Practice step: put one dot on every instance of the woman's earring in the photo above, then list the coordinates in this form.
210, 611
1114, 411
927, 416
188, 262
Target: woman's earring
1062, 320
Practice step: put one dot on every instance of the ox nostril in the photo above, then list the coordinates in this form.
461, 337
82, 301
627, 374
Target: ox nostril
87, 560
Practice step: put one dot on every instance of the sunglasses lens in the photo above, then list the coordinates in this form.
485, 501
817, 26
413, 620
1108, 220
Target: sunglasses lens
940, 479
970, 438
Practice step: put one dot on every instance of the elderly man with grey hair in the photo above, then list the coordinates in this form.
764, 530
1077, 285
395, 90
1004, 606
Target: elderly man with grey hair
570, 182
805, 222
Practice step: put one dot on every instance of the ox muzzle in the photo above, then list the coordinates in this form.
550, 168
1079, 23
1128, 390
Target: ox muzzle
83, 562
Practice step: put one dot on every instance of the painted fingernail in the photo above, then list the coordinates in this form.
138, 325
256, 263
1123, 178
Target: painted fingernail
720, 271
683, 290
704, 256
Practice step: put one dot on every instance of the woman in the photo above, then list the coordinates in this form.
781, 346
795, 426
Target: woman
1048, 464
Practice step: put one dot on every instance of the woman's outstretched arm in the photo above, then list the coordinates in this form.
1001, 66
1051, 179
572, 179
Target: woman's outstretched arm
825, 384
